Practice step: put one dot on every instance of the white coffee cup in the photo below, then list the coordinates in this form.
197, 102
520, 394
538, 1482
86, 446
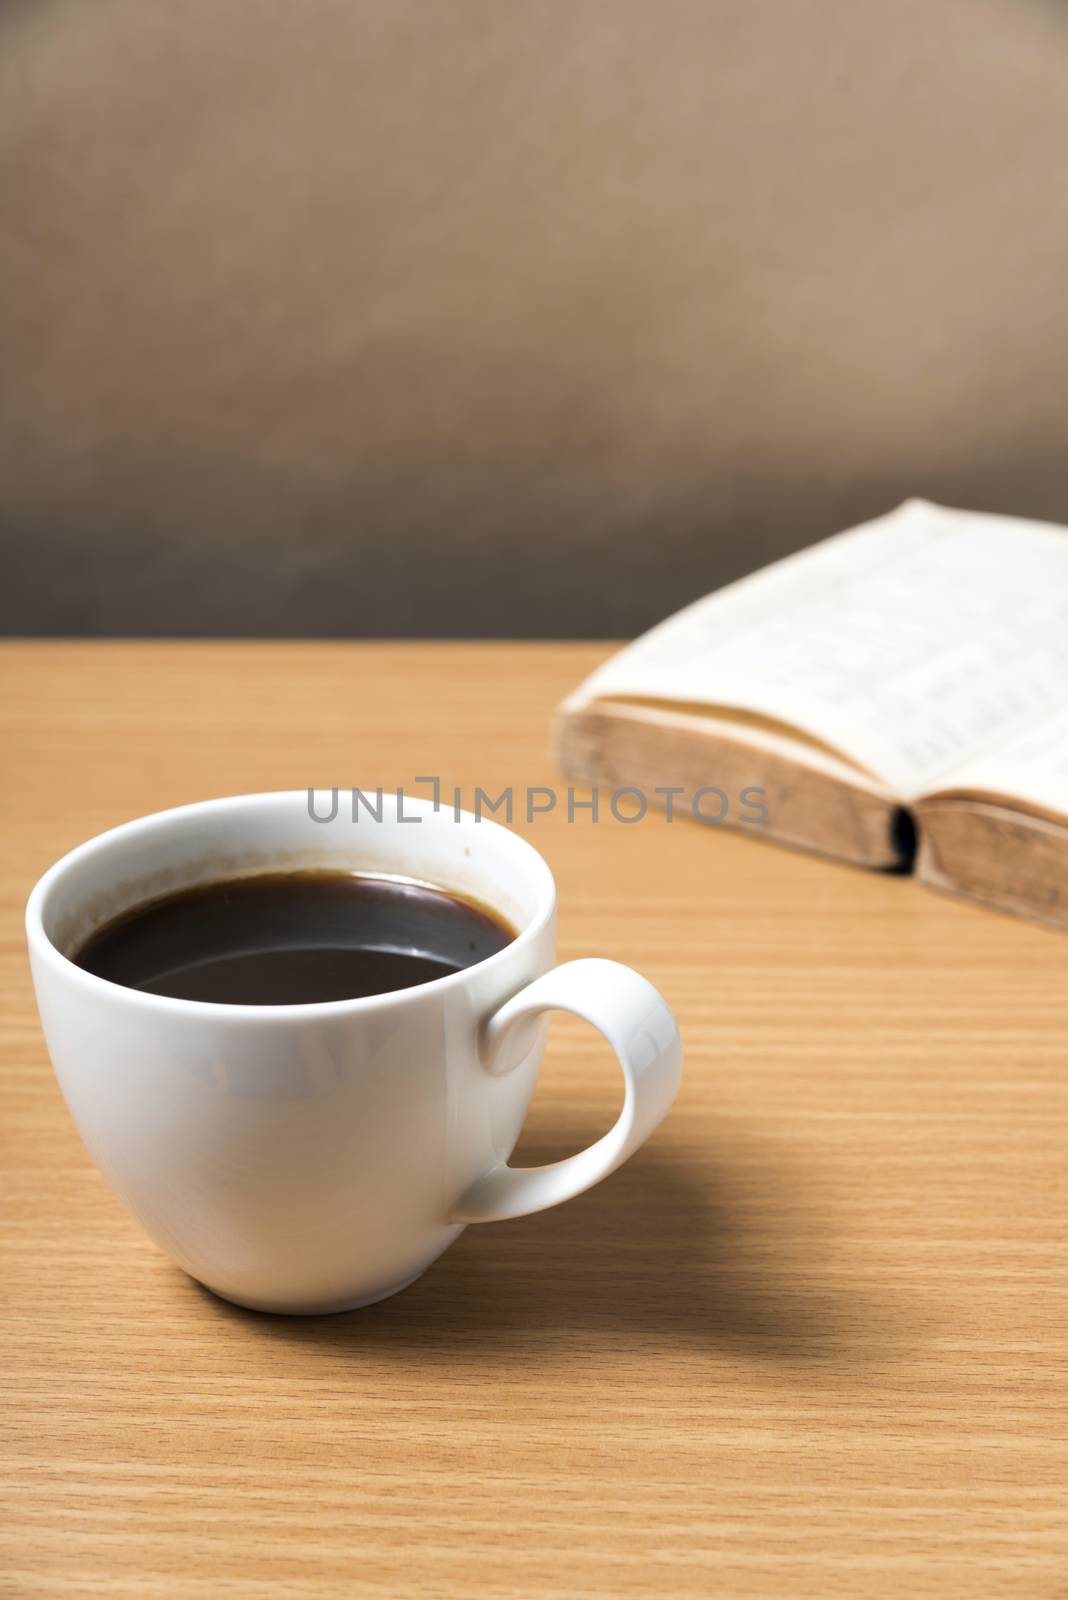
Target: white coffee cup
314, 1158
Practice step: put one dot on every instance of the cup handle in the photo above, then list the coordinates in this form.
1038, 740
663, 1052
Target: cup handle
638, 1025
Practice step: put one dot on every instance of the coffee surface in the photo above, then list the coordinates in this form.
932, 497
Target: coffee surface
294, 938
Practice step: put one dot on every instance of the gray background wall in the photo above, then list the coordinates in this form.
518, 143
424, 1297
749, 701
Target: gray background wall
538, 317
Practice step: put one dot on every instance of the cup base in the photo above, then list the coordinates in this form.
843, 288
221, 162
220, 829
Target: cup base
327, 1309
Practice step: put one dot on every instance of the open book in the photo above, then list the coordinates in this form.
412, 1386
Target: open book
899, 692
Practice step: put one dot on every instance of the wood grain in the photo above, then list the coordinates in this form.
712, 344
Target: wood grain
811, 1342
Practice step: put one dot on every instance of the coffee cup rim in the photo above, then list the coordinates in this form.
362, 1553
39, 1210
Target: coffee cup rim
44, 948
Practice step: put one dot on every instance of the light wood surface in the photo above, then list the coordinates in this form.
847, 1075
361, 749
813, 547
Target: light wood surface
811, 1342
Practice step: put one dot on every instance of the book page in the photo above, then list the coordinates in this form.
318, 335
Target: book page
911, 644
1031, 768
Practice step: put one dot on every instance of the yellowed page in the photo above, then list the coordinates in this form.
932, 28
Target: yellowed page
1030, 769
911, 644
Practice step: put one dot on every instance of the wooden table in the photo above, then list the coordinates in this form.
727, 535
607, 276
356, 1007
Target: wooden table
810, 1342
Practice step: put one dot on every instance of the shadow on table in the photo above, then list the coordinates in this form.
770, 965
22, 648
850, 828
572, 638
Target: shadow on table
718, 1252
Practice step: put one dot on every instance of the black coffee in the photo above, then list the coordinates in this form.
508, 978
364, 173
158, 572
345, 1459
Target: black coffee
292, 938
